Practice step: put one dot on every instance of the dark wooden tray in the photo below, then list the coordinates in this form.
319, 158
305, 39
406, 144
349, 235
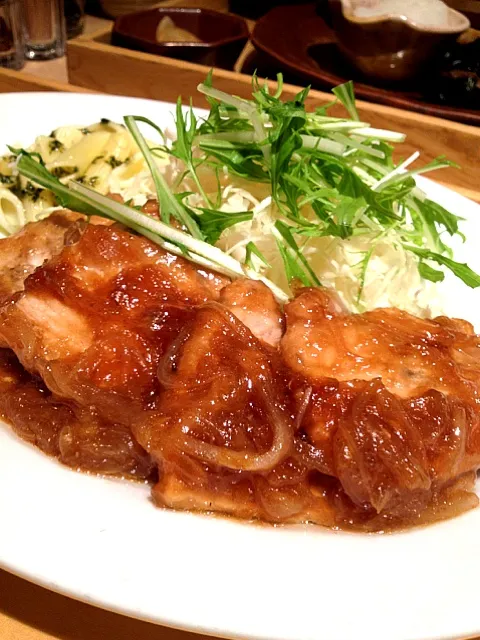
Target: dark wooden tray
296, 39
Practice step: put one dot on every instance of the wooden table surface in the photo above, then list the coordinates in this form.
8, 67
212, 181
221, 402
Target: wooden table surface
29, 612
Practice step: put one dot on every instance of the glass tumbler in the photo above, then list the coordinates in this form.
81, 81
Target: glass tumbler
44, 29
74, 16
11, 34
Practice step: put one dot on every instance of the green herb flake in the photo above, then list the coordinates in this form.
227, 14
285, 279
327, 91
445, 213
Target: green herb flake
90, 182
113, 162
55, 145
7, 180
31, 192
63, 172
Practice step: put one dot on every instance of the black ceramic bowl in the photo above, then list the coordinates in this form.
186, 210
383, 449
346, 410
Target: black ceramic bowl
222, 36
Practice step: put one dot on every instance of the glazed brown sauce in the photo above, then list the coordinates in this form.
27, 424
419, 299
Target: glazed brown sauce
76, 437
106, 449
152, 375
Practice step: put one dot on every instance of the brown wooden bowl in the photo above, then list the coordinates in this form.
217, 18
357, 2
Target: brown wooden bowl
223, 35
297, 41
389, 47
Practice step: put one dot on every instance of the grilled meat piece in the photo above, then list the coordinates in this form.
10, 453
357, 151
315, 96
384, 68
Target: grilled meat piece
392, 401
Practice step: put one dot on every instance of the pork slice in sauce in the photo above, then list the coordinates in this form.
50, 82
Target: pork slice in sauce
94, 321
32, 246
136, 357
222, 429
393, 406
255, 306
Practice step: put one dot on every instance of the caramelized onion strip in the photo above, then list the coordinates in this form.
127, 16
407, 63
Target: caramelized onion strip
278, 420
242, 461
313, 458
307, 396
166, 368
165, 371
233, 322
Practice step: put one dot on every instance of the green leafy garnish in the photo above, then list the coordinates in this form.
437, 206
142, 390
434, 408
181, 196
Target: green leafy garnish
254, 258
213, 222
85, 200
296, 265
169, 205
183, 145
459, 269
429, 273
329, 177
346, 94
326, 178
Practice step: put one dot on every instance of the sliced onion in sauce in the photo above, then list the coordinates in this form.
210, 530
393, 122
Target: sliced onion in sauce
281, 446
278, 420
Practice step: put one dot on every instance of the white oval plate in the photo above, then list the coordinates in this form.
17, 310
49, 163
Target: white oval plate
103, 541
